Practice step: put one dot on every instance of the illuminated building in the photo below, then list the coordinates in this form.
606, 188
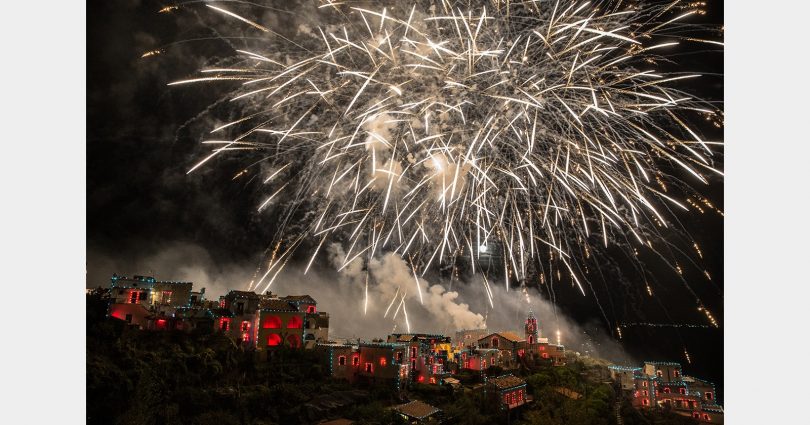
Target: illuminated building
257, 321
509, 389
427, 356
370, 363
146, 302
292, 321
468, 338
663, 385
479, 359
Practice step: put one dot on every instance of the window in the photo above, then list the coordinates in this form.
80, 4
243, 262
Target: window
294, 341
466, 364
342, 360
708, 396
677, 373
696, 415
224, 324
271, 322
531, 339
682, 390
644, 384
645, 402
240, 308
368, 367
706, 417
273, 340
133, 297
311, 309
666, 390
141, 295
356, 361
659, 373
646, 394
295, 322
382, 361
413, 352
399, 356
495, 342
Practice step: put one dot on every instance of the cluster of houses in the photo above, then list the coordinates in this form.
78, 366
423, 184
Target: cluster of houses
267, 321
663, 384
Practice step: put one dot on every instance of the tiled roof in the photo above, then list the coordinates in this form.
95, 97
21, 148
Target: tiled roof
417, 409
511, 336
279, 305
663, 363
247, 294
506, 382
304, 298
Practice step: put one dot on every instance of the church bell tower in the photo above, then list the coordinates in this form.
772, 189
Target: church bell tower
532, 332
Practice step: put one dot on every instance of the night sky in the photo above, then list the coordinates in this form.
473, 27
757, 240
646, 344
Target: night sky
142, 137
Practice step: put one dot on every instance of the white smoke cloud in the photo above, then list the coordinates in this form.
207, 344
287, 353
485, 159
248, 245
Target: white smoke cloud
444, 309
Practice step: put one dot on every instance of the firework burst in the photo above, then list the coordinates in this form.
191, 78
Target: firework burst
540, 131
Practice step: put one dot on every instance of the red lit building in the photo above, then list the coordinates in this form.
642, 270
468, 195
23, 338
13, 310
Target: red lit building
510, 391
143, 300
508, 343
427, 356
468, 338
371, 363
291, 321
479, 359
662, 385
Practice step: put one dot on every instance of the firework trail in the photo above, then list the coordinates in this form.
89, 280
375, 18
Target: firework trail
540, 131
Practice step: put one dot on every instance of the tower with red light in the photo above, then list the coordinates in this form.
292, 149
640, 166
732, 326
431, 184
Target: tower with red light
532, 332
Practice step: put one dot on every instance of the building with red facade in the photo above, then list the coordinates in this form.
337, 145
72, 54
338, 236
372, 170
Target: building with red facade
509, 390
428, 355
663, 385
370, 363
146, 302
253, 320
513, 346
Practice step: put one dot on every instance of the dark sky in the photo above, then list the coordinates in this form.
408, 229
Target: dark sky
140, 202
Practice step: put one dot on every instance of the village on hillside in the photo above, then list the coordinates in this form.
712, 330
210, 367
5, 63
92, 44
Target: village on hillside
489, 365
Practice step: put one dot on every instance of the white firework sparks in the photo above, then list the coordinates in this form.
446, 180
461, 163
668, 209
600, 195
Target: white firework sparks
531, 130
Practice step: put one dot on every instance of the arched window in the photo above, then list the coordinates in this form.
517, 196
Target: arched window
666, 390
531, 339
295, 322
271, 322
273, 340
294, 341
